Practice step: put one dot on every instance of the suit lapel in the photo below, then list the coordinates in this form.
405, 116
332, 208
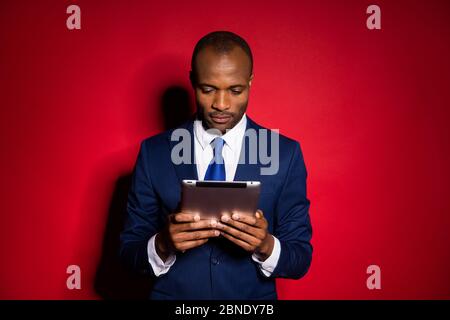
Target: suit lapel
247, 171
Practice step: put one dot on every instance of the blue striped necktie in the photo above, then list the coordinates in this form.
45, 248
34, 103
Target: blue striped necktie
216, 169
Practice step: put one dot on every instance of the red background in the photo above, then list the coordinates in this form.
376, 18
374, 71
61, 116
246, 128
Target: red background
370, 108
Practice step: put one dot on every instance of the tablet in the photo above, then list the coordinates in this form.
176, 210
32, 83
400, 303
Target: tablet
212, 199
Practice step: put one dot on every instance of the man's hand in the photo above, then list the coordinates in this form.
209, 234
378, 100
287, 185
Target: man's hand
184, 231
248, 232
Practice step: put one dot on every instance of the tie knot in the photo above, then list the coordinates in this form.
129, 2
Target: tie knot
217, 145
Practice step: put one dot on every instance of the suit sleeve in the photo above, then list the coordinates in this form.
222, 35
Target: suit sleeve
292, 222
143, 218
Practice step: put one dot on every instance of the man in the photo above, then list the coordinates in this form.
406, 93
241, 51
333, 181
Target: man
239, 256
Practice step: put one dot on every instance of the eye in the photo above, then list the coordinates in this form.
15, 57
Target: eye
236, 91
207, 90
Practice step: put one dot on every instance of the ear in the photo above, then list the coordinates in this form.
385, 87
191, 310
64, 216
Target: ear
250, 80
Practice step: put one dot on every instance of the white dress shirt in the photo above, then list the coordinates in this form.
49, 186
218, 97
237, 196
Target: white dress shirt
203, 156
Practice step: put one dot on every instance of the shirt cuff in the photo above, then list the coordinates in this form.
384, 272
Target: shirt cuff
271, 262
159, 267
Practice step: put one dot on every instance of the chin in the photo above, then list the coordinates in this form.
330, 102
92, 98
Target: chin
221, 128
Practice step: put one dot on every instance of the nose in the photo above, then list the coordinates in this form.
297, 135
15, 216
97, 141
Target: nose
221, 101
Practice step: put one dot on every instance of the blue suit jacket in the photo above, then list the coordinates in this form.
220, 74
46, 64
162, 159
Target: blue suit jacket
218, 269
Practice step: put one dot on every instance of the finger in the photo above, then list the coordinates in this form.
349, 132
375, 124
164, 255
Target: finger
239, 242
202, 224
256, 220
186, 217
260, 219
191, 244
259, 214
243, 236
246, 218
251, 230
196, 235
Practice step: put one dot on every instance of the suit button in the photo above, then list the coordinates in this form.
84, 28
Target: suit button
215, 261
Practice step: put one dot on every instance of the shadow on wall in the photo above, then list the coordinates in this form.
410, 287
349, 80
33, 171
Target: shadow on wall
112, 279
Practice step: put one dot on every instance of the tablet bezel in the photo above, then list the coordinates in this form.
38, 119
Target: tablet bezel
201, 197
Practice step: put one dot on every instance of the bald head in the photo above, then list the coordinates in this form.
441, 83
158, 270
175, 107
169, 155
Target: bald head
221, 43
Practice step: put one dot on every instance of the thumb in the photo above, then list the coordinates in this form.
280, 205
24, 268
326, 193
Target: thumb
259, 214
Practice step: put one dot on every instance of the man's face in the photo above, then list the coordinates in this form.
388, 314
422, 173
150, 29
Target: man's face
222, 87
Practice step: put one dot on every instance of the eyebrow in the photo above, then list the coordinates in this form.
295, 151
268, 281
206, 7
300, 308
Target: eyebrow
230, 87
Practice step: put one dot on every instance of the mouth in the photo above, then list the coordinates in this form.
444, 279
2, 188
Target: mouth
222, 119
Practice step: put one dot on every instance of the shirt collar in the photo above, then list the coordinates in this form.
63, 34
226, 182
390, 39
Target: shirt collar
232, 137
